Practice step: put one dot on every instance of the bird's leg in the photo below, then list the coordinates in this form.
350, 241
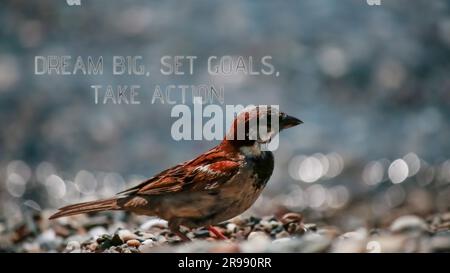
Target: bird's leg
217, 233
181, 235
175, 228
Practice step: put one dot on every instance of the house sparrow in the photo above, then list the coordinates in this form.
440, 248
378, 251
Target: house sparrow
216, 186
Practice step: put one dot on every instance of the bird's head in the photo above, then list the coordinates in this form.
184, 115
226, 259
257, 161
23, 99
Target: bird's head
259, 124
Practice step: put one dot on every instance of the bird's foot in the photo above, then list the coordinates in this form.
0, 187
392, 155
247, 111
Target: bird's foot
217, 233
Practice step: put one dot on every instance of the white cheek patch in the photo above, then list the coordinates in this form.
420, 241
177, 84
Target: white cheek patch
251, 151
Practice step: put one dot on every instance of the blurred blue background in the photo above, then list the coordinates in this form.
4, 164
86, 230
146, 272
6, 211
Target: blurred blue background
371, 84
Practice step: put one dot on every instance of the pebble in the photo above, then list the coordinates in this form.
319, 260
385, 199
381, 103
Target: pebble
92, 247
351, 242
386, 243
252, 221
314, 243
348, 246
97, 232
146, 235
32, 247
126, 235
72, 246
282, 234
256, 235
359, 234
440, 243
247, 234
310, 226
225, 248
161, 239
201, 233
308, 243
408, 223
146, 246
291, 217
331, 232
133, 243
238, 221
281, 240
258, 241
232, 228
61, 231
106, 241
47, 236
265, 225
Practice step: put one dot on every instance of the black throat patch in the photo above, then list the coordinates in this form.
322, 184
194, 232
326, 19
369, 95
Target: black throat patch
263, 166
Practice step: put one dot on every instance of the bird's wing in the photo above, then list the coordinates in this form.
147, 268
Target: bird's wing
206, 172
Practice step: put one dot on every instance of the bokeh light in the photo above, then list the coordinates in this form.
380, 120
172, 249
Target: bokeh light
398, 171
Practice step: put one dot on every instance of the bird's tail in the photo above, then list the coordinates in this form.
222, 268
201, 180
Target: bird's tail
99, 205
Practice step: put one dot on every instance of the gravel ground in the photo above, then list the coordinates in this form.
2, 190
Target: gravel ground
124, 233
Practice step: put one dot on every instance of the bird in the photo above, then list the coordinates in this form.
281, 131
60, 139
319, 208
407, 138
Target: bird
214, 187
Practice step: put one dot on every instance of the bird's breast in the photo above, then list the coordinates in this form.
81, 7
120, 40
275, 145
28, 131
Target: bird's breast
261, 168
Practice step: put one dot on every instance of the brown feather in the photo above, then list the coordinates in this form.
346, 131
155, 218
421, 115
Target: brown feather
100, 205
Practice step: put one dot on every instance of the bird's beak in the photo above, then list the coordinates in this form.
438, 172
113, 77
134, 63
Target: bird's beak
289, 121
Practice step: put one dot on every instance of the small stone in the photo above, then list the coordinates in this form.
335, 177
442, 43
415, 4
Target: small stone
115, 241
126, 235
252, 221
348, 246
238, 220
72, 245
291, 217
133, 243
266, 226
201, 233
387, 243
257, 242
283, 234
256, 235
440, 243
277, 229
146, 246
61, 231
20, 233
351, 242
106, 241
92, 247
328, 231
145, 236
47, 236
225, 248
32, 247
445, 216
232, 228
161, 239
313, 243
310, 227
96, 232
359, 234
126, 250
409, 223
77, 238
281, 240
